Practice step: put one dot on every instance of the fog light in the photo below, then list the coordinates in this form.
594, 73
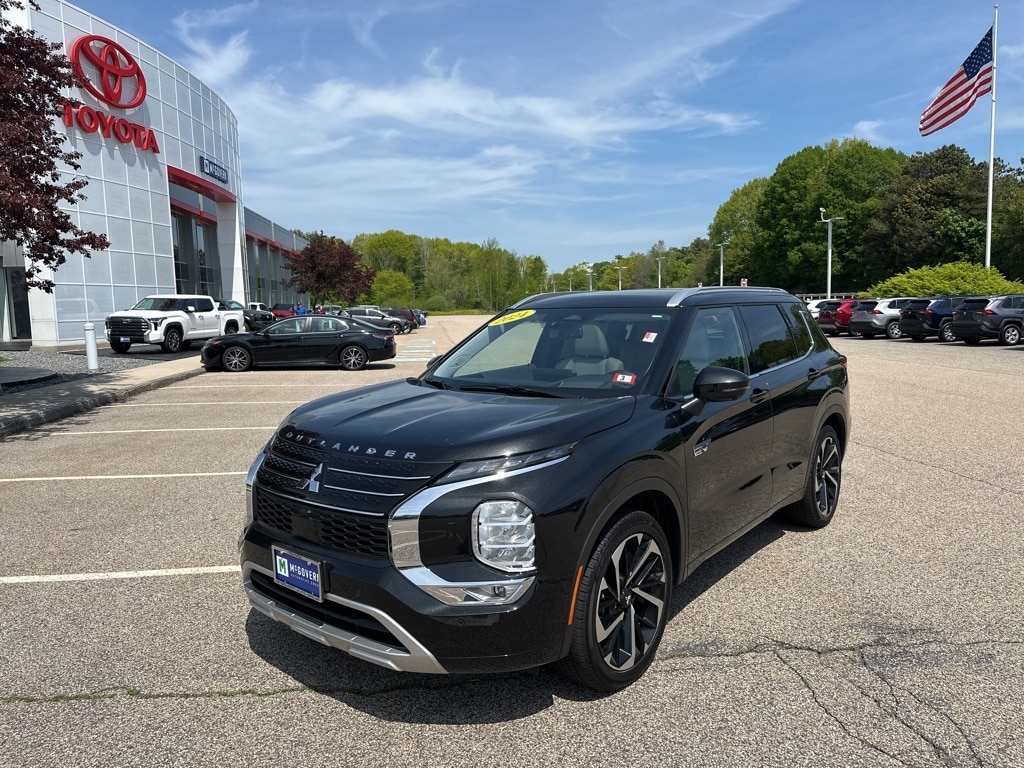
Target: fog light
503, 535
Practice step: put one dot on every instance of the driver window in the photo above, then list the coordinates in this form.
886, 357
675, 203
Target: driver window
714, 339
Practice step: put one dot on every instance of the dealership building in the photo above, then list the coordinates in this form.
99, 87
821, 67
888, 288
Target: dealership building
160, 152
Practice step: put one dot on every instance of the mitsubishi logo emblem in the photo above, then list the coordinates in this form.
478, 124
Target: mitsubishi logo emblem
312, 483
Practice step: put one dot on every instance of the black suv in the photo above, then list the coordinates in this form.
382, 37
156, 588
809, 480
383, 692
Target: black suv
990, 317
921, 318
535, 495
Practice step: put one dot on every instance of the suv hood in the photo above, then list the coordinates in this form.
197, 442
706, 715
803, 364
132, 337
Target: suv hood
447, 425
144, 313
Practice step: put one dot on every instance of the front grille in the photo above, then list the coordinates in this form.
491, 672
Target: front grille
335, 498
128, 326
327, 612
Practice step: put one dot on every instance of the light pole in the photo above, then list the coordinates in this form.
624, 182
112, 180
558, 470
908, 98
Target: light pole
659, 258
620, 277
828, 269
721, 261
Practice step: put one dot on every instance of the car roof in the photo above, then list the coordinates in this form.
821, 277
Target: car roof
655, 298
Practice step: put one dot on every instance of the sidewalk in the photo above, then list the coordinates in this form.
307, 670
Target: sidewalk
23, 410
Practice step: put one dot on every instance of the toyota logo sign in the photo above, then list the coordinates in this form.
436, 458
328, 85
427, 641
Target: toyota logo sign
111, 74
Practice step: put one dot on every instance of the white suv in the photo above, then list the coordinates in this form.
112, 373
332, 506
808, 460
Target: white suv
872, 317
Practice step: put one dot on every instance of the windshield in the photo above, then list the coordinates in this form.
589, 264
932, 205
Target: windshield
163, 304
588, 353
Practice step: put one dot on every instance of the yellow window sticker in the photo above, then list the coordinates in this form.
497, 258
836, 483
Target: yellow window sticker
511, 317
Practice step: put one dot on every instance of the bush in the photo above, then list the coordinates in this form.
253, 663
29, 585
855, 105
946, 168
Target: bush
437, 304
958, 277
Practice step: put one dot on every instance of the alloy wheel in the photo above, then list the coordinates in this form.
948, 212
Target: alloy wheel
827, 475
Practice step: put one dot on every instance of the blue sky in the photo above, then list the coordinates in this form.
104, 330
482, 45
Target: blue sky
574, 130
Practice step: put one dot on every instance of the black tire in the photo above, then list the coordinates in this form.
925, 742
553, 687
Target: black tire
946, 332
395, 328
893, 330
352, 358
172, 340
236, 359
230, 328
622, 605
121, 347
1010, 335
824, 480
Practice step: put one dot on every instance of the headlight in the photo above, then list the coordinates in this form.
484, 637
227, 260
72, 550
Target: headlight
503, 535
156, 322
506, 463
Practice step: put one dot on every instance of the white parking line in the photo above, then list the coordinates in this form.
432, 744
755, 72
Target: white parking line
119, 575
119, 477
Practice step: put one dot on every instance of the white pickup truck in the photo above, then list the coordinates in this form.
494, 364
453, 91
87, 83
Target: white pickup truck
172, 320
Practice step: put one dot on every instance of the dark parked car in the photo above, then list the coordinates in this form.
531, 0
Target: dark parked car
989, 317
826, 317
408, 314
305, 340
421, 316
380, 319
536, 495
255, 319
933, 316
281, 311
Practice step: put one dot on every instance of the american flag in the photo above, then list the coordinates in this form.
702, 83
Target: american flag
973, 79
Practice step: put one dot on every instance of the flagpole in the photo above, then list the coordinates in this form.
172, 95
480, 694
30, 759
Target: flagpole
991, 144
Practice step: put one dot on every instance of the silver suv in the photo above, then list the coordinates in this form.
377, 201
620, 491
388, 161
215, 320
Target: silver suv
872, 317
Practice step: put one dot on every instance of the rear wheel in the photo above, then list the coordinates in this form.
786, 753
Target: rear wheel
1010, 335
621, 606
946, 332
236, 359
892, 330
121, 347
353, 358
172, 340
824, 480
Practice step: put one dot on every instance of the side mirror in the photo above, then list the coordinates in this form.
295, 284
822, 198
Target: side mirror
719, 385
190, 308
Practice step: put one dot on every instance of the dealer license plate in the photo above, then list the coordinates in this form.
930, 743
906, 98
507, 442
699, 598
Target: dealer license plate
298, 573
126, 339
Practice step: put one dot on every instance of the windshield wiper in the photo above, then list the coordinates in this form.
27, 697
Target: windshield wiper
438, 383
507, 389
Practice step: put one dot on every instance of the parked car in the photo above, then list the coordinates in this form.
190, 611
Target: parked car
421, 316
536, 495
933, 316
408, 314
258, 305
826, 319
255, 319
989, 317
843, 314
281, 311
814, 305
380, 319
302, 340
873, 317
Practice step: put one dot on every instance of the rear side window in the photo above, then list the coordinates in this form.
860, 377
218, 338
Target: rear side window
799, 323
771, 342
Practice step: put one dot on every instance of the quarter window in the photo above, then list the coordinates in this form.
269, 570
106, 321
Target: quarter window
771, 342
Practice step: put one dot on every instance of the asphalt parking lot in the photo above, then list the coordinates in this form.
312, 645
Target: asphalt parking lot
894, 637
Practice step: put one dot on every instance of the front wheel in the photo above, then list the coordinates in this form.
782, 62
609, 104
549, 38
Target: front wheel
824, 479
236, 359
621, 606
172, 340
353, 358
946, 332
1010, 335
893, 331
395, 328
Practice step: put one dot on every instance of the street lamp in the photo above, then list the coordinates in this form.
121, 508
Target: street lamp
828, 271
721, 261
620, 277
659, 258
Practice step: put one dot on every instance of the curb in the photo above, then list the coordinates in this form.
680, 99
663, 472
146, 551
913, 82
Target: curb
50, 413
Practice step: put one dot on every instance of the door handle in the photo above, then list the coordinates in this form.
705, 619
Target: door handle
813, 373
758, 395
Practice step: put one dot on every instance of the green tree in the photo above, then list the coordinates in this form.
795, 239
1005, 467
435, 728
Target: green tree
391, 250
33, 74
846, 178
736, 221
393, 289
